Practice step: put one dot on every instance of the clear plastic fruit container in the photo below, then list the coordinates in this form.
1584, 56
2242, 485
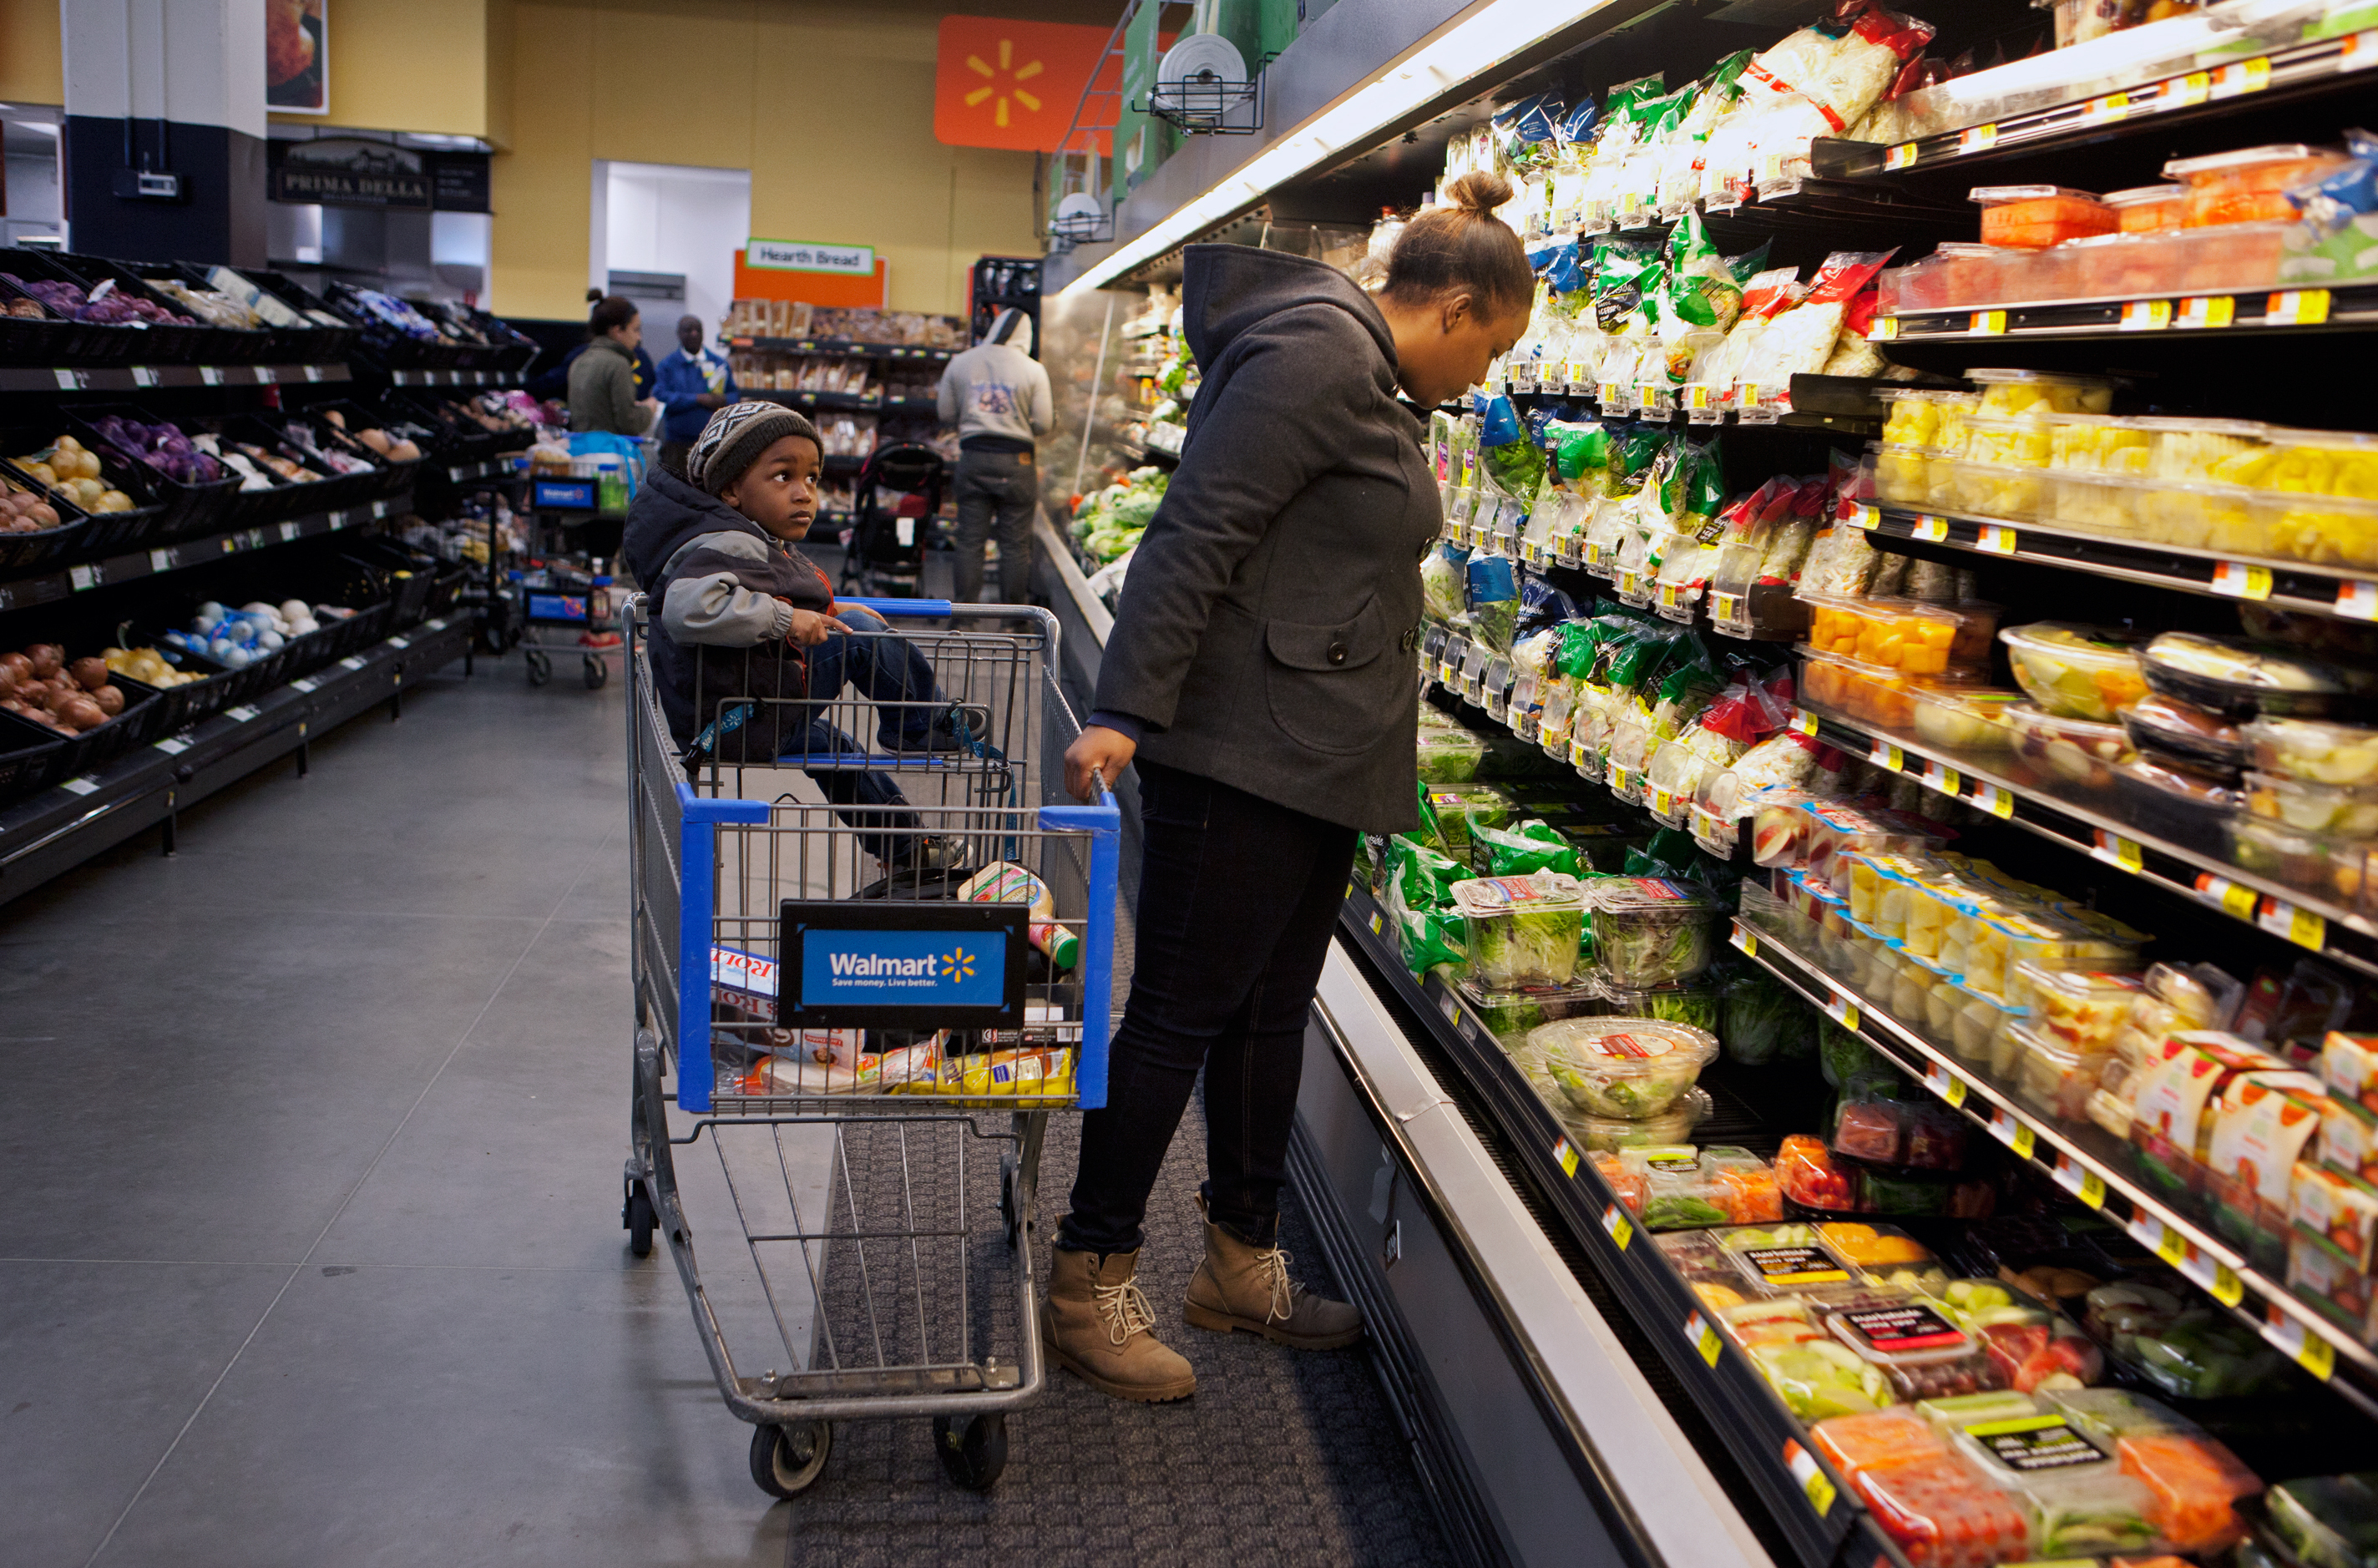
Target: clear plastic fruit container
1648, 931
2078, 672
1904, 475
2035, 217
2078, 1007
1787, 1259
2183, 731
1945, 1513
2058, 940
1877, 1440
2013, 393
2017, 492
1921, 639
2096, 443
2244, 680
1923, 1354
2343, 810
2054, 1077
2340, 531
1925, 416
2333, 868
1885, 1257
2014, 441
2313, 751
2093, 503
2247, 185
2147, 209
1978, 1024
1673, 1125
2207, 451
2172, 800
2226, 517
2320, 463
1628, 1068
2076, 751
1963, 718
2326, 1521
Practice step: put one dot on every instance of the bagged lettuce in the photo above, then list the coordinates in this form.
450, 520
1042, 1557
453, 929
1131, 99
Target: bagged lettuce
1444, 581
1493, 583
1516, 851
1420, 876
1514, 464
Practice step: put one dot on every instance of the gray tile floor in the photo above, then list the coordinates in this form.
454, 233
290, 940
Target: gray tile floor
313, 1254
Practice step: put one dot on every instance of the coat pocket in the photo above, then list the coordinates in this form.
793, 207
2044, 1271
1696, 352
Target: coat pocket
1335, 689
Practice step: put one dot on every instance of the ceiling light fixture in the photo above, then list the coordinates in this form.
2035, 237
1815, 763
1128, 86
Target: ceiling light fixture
1484, 38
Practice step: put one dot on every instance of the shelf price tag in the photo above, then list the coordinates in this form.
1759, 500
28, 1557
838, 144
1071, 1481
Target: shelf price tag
1887, 755
2301, 926
160, 560
1378, 923
69, 380
2080, 1180
2146, 315
1989, 323
1903, 156
1803, 721
2227, 1288
1840, 1009
143, 377
2116, 850
1945, 1083
79, 786
2358, 600
2207, 311
82, 576
1935, 528
2357, 52
173, 746
1811, 1477
2247, 76
1745, 939
1728, 607
1994, 800
240, 714
1977, 139
1614, 1221
2309, 1351
2182, 92
2105, 111
2240, 581
1884, 329
2233, 900
266, 374
1869, 517
210, 374
310, 683
2000, 541
1565, 1155
1941, 778
1702, 1338
2015, 1132
2297, 307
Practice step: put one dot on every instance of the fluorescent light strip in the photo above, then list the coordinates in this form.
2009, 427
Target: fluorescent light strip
1485, 38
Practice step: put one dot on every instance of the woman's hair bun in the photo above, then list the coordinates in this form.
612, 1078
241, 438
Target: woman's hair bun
1480, 190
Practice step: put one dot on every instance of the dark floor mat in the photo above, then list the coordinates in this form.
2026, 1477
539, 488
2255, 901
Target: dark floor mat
1282, 1456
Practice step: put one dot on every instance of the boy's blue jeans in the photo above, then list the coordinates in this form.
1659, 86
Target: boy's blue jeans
885, 669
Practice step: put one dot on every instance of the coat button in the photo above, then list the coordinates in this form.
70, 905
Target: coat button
1337, 652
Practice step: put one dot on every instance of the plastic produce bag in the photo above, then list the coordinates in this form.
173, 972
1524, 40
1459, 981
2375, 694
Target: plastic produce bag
1443, 581
1766, 1022
1516, 851
1494, 584
1422, 876
1840, 66
1800, 340
1526, 133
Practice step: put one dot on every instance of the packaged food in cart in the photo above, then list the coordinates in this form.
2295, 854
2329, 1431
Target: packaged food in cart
1522, 930
1884, 1256
1648, 931
1942, 1513
1916, 1347
1624, 1067
2327, 1521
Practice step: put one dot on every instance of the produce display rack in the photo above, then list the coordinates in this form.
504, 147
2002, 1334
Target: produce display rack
455, 378
61, 827
140, 378
1843, 405
497, 468
2086, 1162
1822, 1520
49, 587
841, 348
2100, 830
2224, 313
2295, 75
2298, 586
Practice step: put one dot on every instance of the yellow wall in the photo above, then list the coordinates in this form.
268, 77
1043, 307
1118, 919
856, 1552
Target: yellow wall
828, 103
407, 66
32, 56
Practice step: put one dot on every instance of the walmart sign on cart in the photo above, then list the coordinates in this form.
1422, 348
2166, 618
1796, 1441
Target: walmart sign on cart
921, 966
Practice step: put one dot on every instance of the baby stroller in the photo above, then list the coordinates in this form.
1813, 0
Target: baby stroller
886, 554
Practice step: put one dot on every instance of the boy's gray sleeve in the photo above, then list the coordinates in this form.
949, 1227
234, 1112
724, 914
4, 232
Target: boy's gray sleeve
946, 396
708, 603
1044, 415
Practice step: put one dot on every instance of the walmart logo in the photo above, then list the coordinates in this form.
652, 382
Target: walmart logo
958, 964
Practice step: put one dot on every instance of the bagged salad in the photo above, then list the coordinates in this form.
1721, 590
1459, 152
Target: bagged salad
1522, 930
1627, 1068
1648, 931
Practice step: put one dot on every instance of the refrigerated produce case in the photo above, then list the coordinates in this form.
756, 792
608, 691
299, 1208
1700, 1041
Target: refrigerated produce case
2054, 448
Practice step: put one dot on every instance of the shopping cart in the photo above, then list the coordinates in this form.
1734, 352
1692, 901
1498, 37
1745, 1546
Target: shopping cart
872, 1058
563, 601
563, 607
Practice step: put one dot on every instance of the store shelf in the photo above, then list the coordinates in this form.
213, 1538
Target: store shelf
49, 587
2084, 1160
455, 378
132, 377
823, 399
2003, 785
505, 467
1814, 1508
2142, 318
835, 348
61, 827
2150, 106
1844, 404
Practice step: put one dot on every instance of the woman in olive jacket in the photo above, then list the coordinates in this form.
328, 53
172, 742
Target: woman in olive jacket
603, 377
1262, 672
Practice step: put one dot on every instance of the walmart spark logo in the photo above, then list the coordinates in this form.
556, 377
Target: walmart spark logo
957, 965
1015, 73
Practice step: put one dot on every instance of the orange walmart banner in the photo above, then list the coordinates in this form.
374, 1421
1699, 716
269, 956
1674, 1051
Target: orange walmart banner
999, 83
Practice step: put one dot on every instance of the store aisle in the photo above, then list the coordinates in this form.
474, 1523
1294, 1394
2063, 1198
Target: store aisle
313, 1253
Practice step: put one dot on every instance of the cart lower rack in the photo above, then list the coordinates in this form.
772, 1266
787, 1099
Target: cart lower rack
864, 981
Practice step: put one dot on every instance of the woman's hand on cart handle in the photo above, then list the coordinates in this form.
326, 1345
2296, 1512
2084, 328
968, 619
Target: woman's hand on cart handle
1096, 759
809, 629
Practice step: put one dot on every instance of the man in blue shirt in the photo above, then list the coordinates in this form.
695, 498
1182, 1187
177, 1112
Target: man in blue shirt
694, 381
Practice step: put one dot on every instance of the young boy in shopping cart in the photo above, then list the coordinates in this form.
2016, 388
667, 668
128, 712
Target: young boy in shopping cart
750, 646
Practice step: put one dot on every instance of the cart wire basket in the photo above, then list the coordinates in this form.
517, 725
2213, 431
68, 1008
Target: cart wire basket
865, 974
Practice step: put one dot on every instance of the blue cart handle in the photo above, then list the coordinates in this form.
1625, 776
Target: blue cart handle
919, 609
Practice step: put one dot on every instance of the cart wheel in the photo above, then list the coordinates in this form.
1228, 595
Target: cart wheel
974, 1453
638, 1219
540, 667
596, 673
786, 1461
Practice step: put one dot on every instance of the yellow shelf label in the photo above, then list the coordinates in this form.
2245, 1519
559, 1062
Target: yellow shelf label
1977, 139
1702, 1337
1989, 323
2227, 1289
1887, 754
1903, 155
2297, 307
2234, 900
2302, 927
1935, 528
1883, 330
1840, 1009
1805, 722
2241, 580
2182, 92
1814, 1482
1614, 1220
1567, 1156
2105, 111
2146, 315
1941, 778
2116, 850
1745, 939
2001, 541
2318, 1356
2358, 600
1994, 800
2207, 311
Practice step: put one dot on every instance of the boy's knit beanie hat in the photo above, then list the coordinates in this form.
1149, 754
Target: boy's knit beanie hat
736, 436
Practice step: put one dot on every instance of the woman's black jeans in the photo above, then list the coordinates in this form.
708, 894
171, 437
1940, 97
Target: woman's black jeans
1237, 900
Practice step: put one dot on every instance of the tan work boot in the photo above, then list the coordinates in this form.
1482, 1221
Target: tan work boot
1099, 1328
1242, 1286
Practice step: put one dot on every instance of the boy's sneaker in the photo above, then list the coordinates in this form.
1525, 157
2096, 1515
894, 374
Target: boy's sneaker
929, 852
938, 738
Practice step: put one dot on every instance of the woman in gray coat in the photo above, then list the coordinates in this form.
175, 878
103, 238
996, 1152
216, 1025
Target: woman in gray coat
1262, 673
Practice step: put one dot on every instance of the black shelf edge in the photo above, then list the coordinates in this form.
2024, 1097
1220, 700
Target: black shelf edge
1771, 1446
839, 349
2291, 72
2072, 1157
2245, 311
140, 378
487, 379
2100, 831
47, 588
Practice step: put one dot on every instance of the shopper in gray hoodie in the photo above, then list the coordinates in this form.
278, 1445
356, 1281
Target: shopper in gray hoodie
997, 395
1261, 670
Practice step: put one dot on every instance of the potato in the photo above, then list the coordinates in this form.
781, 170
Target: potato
89, 673
47, 659
110, 700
